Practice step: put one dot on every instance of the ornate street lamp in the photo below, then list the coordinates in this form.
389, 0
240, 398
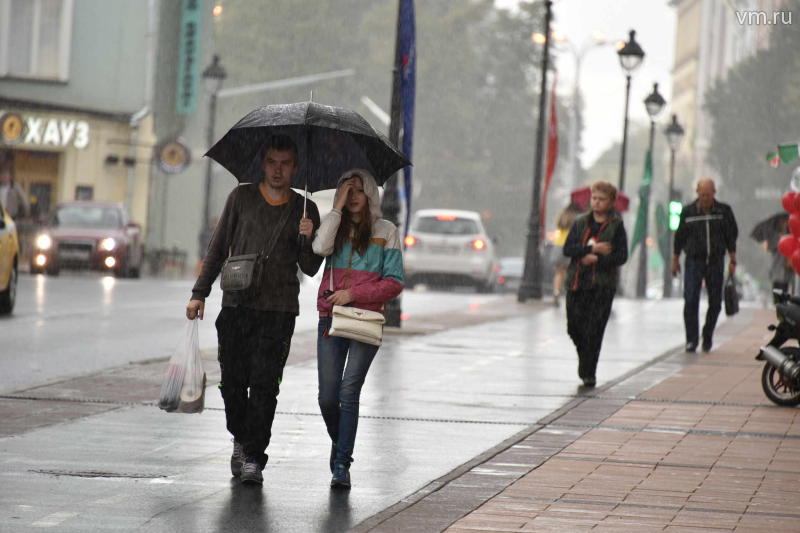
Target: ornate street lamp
214, 74
674, 133
531, 284
654, 103
630, 57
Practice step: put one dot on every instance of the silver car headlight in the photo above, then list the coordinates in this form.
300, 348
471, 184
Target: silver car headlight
108, 244
44, 242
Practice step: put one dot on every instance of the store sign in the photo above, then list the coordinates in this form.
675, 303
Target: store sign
189, 56
39, 131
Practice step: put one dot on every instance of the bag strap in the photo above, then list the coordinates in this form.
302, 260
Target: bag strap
267, 250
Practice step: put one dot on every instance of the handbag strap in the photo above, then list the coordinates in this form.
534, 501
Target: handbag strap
267, 250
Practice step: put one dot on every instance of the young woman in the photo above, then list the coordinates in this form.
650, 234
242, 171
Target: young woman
364, 258
560, 263
597, 246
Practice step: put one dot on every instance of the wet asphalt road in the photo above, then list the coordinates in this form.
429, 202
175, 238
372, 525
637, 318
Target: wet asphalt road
77, 323
430, 404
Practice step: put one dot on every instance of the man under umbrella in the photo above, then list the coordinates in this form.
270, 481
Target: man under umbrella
255, 326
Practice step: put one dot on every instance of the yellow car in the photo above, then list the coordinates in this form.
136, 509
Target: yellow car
9, 259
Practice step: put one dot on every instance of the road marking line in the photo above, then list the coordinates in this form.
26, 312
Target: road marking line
54, 519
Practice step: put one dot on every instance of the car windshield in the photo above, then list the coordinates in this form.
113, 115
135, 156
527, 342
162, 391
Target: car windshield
87, 216
446, 225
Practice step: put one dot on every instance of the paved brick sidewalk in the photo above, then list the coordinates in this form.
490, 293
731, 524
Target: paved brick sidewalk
701, 451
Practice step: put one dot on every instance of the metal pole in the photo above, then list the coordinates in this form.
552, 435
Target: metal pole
212, 116
531, 285
624, 135
641, 280
391, 202
668, 259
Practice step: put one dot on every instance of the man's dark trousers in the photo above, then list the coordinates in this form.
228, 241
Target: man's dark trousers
587, 315
697, 271
253, 348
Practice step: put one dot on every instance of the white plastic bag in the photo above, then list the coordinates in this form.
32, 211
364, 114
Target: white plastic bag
184, 384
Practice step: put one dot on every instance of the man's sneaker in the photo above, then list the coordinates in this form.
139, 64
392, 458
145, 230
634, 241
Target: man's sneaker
691, 347
341, 477
589, 382
707, 345
237, 459
251, 472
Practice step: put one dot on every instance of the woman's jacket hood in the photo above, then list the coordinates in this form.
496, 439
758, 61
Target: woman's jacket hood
370, 189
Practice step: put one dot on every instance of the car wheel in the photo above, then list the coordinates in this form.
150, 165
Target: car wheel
9, 296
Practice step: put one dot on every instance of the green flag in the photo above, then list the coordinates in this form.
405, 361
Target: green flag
788, 152
644, 196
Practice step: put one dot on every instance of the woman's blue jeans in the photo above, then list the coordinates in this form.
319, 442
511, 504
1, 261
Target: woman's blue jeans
342, 366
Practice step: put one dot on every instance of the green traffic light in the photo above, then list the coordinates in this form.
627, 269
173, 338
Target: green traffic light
675, 209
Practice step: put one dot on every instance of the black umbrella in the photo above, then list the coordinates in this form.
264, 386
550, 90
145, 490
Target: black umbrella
330, 140
771, 229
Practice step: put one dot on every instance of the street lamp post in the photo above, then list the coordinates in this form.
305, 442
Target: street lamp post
531, 285
674, 133
630, 57
654, 103
215, 74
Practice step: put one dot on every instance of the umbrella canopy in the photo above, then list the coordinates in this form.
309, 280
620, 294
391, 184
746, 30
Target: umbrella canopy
583, 196
330, 140
771, 229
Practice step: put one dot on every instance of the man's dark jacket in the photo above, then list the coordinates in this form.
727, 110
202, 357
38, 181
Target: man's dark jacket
706, 235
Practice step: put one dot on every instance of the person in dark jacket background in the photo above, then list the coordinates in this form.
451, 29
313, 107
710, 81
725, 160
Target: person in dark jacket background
597, 246
706, 231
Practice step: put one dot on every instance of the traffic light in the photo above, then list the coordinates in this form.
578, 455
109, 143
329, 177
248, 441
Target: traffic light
675, 208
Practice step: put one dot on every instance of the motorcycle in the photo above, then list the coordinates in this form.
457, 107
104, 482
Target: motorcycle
780, 378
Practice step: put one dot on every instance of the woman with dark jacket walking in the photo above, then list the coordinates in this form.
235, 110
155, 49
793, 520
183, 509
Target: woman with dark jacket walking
597, 246
366, 264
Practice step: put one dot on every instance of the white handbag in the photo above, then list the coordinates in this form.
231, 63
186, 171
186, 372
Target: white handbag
354, 323
357, 324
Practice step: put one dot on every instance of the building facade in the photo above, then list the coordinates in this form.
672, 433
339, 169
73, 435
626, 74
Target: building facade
74, 101
712, 36
105, 100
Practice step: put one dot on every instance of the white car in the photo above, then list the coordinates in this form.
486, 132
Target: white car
448, 246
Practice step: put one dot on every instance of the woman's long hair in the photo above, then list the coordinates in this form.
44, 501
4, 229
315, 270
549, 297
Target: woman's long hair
359, 233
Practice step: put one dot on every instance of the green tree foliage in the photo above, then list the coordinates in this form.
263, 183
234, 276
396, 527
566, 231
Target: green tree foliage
477, 87
755, 108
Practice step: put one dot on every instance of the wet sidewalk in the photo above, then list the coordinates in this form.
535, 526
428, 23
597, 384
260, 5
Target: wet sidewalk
92, 453
703, 450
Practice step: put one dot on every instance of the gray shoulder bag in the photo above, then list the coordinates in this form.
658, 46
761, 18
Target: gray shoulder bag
238, 271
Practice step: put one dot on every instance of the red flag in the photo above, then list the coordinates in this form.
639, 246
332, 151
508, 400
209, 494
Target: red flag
552, 149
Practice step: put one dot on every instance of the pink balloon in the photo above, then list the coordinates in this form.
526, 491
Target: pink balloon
788, 202
788, 245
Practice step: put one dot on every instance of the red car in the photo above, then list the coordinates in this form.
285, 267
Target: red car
89, 235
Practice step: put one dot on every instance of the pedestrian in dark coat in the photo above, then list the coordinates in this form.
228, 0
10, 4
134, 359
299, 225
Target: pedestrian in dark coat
707, 231
597, 246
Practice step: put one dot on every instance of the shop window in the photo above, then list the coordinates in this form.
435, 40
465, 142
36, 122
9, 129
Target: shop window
35, 38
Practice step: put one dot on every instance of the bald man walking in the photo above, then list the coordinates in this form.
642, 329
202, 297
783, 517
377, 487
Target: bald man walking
707, 230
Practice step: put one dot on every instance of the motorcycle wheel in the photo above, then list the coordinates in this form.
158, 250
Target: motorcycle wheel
778, 389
